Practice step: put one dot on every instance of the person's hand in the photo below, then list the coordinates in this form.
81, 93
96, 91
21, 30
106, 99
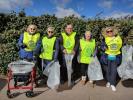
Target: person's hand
55, 60
73, 52
42, 50
106, 47
64, 51
23, 46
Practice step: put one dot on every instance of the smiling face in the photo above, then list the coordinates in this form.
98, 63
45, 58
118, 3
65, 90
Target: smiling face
32, 29
109, 32
69, 29
87, 35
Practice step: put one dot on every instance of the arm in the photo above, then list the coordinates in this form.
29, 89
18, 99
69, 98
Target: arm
38, 47
61, 43
76, 44
56, 49
103, 46
95, 52
20, 41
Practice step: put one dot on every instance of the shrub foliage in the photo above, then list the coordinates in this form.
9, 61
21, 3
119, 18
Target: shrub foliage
12, 25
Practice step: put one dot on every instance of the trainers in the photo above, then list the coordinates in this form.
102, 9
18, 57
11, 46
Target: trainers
83, 80
108, 85
91, 81
113, 88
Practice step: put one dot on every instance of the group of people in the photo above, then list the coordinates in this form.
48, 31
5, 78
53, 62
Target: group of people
49, 47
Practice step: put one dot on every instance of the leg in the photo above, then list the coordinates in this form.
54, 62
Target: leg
113, 73
63, 71
108, 69
84, 68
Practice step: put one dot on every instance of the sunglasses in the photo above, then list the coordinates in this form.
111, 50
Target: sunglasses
50, 32
33, 29
109, 31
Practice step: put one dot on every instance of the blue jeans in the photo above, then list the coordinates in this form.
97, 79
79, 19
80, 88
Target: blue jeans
111, 72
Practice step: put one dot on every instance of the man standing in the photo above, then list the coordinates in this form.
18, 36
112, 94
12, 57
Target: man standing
68, 45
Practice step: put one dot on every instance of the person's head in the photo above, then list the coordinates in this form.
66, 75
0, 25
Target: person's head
88, 35
50, 31
110, 32
69, 28
32, 29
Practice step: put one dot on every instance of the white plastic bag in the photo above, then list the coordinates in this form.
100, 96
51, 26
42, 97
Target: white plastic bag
53, 72
68, 59
21, 66
125, 70
94, 70
47, 68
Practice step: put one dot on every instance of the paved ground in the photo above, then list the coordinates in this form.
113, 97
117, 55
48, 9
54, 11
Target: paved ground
77, 92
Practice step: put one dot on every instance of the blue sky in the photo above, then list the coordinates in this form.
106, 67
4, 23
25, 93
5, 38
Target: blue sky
61, 8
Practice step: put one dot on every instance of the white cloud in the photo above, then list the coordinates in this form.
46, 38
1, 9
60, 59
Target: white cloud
105, 4
62, 12
8, 5
60, 3
119, 15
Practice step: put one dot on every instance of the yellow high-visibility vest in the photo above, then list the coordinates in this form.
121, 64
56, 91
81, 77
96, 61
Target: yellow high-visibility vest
30, 40
69, 41
87, 50
48, 45
114, 44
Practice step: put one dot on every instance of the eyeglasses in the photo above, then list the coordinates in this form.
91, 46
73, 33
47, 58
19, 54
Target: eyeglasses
109, 31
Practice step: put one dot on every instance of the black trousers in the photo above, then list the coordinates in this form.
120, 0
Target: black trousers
84, 68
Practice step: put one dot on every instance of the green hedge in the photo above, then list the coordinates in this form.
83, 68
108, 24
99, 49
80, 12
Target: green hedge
12, 25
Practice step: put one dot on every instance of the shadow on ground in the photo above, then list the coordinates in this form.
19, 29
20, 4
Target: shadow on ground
3, 83
35, 93
101, 83
128, 83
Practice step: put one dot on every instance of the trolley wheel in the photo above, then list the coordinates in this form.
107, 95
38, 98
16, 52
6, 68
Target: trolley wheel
29, 93
9, 95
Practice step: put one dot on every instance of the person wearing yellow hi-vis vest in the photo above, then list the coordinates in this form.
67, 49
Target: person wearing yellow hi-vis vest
28, 43
87, 49
111, 57
49, 47
68, 45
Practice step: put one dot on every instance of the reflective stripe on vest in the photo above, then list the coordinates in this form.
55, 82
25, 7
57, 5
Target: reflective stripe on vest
69, 41
87, 50
30, 40
114, 44
48, 45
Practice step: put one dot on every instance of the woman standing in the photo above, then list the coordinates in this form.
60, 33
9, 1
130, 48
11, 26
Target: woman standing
86, 51
112, 56
49, 47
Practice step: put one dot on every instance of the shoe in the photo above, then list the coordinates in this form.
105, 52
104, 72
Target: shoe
113, 88
108, 85
83, 80
91, 81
